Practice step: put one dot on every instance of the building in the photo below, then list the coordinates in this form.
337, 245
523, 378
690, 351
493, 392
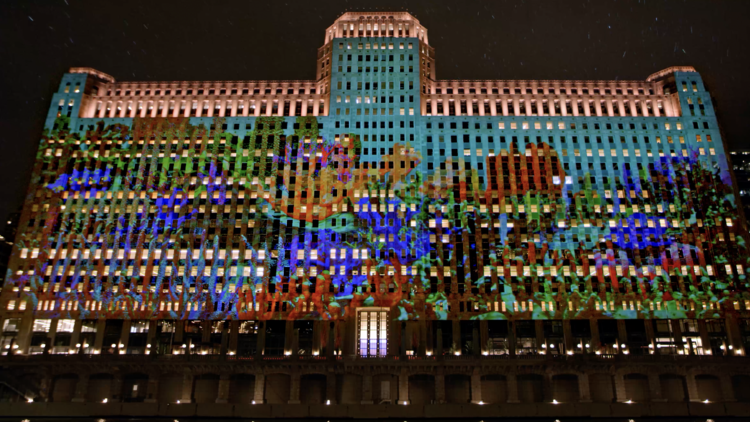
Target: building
379, 242
6, 244
740, 160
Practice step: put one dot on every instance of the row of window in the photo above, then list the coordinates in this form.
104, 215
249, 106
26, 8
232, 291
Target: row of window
382, 69
375, 58
373, 99
382, 46
366, 85
210, 91
552, 90
519, 107
221, 108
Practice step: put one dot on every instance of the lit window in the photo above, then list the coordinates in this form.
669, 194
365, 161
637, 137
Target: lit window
11, 325
41, 325
66, 325
373, 331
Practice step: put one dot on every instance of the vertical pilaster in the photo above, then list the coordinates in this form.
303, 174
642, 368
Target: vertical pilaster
598, 108
476, 387
539, 332
422, 327
234, 330
596, 342
677, 333
151, 338
650, 335
703, 331
735, 336
179, 332
440, 386
620, 393
568, 339
403, 387
456, 324
223, 394
45, 387
187, 387
116, 390
82, 387
367, 389
512, 339
316, 346
50, 343
124, 337
484, 336
224, 348
206, 329
475, 346
75, 338
331, 342
727, 389
404, 341
99, 339
261, 345
23, 339
152, 390
654, 385
350, 337
294, 388
295, 344
331, 387
260, 387
547, 387
584, 388
692, 387
622, 335
439, 342
512, 385
288, 336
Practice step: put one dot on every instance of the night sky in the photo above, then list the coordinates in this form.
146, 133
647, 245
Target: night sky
244, 40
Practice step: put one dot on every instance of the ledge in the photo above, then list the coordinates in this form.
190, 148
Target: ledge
421, 360
431, 411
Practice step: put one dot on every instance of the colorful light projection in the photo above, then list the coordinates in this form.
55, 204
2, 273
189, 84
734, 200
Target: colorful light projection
170, 220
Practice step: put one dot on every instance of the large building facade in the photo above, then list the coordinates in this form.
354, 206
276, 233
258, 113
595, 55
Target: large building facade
379, 236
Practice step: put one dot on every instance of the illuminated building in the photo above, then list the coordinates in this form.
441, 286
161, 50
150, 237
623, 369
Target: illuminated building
379, 235
740, 160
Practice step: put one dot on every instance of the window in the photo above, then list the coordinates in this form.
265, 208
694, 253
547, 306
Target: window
139, 327
373, 331
41, 325
66, 325
11, 325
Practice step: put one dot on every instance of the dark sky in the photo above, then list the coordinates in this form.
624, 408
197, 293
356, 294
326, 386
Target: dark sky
245, 40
